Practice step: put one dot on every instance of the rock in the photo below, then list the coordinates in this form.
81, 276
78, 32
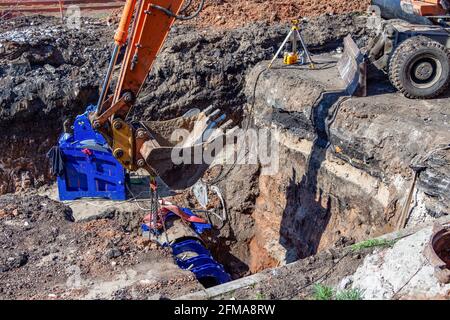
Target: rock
113, 253
14, 262
345, 283
49, 68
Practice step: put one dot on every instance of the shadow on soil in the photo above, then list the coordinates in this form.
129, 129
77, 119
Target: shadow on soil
307, 212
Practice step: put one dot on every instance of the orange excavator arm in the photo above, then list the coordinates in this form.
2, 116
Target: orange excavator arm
149, 22
143, 28
151, 26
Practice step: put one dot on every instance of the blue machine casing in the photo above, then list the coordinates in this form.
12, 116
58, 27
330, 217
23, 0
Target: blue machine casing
90, 169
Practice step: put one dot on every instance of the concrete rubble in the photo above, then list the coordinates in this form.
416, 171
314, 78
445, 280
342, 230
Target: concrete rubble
401, 271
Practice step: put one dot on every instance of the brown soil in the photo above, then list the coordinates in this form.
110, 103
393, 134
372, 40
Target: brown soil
318, 198
231, 13
42, 248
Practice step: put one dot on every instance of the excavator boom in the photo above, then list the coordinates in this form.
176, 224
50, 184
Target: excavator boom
148, 145
148, 34
151, 29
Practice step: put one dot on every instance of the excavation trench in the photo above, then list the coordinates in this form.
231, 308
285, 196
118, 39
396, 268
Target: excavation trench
342, 164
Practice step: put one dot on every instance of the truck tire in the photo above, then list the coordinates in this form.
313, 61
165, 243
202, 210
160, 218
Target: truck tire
420, 68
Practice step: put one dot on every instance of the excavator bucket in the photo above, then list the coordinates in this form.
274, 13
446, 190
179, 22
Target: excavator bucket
182, 149
353, 68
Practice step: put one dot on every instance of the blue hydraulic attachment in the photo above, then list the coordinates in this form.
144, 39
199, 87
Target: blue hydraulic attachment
89, 168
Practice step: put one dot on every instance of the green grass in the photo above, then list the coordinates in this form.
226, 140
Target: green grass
260, 296
350, 294
372, 243
322, 292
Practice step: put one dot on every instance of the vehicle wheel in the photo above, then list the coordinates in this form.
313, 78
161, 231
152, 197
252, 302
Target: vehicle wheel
420, 68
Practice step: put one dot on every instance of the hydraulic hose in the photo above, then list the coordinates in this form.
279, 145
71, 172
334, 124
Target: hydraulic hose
186, 6
181, 17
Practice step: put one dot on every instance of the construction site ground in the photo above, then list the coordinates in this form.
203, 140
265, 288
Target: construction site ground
343, 169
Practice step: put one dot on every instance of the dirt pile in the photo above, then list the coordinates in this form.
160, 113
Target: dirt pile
44, 254
231, 14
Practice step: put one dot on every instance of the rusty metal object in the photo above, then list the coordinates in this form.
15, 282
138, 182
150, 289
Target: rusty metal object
437, 252
353, 69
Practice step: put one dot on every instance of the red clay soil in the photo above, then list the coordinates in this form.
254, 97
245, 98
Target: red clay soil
236, 13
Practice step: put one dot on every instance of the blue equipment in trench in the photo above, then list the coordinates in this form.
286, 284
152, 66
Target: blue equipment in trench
191, 254
89, 168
